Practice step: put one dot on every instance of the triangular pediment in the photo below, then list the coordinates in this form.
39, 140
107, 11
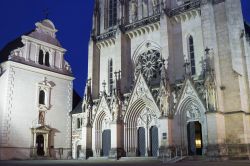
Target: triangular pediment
188, 91
142, 91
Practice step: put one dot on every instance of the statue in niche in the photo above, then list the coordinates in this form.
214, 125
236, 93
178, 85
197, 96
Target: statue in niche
41, 118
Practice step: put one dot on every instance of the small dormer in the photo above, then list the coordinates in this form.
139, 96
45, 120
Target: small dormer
39, 48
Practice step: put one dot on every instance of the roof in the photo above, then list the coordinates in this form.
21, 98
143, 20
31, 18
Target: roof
77, 109
5, 52
76, 99
247, 28
40, 33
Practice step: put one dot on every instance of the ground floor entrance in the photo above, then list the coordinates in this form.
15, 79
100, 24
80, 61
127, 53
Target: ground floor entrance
40, 145
194, 134
106, 142
152, 141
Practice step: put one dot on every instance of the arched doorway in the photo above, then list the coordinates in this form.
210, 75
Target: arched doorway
154, 143
40, 145
106, 142
141, 142
194, 134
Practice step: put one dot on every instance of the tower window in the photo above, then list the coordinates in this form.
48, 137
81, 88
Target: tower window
112, 13
110, 66
41, 97
191, 55
40, 58
47, 59
79, 123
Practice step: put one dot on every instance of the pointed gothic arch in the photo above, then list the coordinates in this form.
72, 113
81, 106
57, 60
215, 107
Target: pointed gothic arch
142, 115
190, 109
144, 46
101, 122
191, 53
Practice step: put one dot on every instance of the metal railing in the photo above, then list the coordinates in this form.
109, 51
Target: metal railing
173, 154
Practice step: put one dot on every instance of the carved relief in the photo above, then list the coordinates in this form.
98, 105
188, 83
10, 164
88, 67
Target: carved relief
146, 117
193, 113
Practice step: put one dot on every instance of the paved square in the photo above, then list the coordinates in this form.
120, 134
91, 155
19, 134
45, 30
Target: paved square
119, 163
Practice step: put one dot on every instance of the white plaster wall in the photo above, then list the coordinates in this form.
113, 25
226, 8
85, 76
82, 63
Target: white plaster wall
3, 94
24, 110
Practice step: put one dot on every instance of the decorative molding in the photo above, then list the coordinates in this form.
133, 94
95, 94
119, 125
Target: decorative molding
106, 39
69, 109
193, 5
6, 128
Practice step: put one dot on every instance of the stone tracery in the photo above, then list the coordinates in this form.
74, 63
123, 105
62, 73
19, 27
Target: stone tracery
148, 63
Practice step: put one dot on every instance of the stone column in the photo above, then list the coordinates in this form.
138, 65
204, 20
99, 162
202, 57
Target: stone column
46, 140
117, 150
86, 150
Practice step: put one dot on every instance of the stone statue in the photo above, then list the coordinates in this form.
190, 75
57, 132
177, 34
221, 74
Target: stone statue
134, 10
41, 117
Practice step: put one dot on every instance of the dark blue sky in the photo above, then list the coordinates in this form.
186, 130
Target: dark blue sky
71, 17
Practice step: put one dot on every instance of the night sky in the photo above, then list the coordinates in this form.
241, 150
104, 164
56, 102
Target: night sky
71, 17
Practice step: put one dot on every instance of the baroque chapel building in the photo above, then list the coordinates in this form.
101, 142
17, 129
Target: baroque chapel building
36, 86
165, 76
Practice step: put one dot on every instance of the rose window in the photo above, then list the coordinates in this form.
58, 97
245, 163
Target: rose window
149, 64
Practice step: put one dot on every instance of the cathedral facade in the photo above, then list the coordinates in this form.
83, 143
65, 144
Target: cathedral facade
164, 77
35, 96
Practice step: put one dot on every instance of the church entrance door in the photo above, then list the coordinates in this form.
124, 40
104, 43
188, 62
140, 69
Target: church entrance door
194, 134
40, 145
154, 145
141, 141
106, 142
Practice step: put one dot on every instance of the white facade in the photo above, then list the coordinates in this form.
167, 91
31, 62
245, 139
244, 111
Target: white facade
164, 76
36, 97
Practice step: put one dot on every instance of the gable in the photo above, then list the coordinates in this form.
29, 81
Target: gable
188, 92
141, 91
103, 106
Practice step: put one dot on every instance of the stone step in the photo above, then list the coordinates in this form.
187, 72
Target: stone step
97, 158
138, 158
196, 158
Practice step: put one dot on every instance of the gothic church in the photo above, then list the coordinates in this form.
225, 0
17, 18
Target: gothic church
165, 76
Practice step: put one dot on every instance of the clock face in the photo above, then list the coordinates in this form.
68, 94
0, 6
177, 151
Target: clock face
149, 64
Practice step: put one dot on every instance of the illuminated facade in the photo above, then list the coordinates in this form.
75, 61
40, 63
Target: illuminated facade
35, 97
163, 76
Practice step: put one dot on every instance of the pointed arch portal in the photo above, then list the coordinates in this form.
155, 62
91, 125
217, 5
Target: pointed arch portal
194, 136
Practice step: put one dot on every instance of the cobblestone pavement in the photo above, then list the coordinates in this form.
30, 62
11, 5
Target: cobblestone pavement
120, 163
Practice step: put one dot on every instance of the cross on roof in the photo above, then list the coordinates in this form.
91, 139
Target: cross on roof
46, 13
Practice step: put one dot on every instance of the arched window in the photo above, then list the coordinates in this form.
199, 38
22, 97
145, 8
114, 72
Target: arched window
47, 59
41, 97
40, 58
110, 66
112, 13
191, 55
